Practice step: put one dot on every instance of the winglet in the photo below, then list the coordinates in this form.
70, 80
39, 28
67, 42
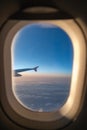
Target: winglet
35, 69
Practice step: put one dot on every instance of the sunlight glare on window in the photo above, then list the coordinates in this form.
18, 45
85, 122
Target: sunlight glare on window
42, 61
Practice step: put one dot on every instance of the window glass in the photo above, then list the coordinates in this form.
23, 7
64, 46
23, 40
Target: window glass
42, 61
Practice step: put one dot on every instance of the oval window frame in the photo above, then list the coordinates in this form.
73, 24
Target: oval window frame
67, 112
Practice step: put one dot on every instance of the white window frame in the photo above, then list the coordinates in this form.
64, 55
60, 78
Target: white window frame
44, 120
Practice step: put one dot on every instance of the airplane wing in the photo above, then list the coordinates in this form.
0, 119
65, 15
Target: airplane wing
35, 68
17, 71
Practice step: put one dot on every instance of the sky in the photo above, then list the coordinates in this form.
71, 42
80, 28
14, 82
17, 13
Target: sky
43, 45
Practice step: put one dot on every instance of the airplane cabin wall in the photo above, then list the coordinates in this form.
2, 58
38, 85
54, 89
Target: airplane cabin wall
78, 9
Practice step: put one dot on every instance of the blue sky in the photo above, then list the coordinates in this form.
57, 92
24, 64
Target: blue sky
43, 45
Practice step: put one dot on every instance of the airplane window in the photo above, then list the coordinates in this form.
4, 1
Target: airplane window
42, 61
